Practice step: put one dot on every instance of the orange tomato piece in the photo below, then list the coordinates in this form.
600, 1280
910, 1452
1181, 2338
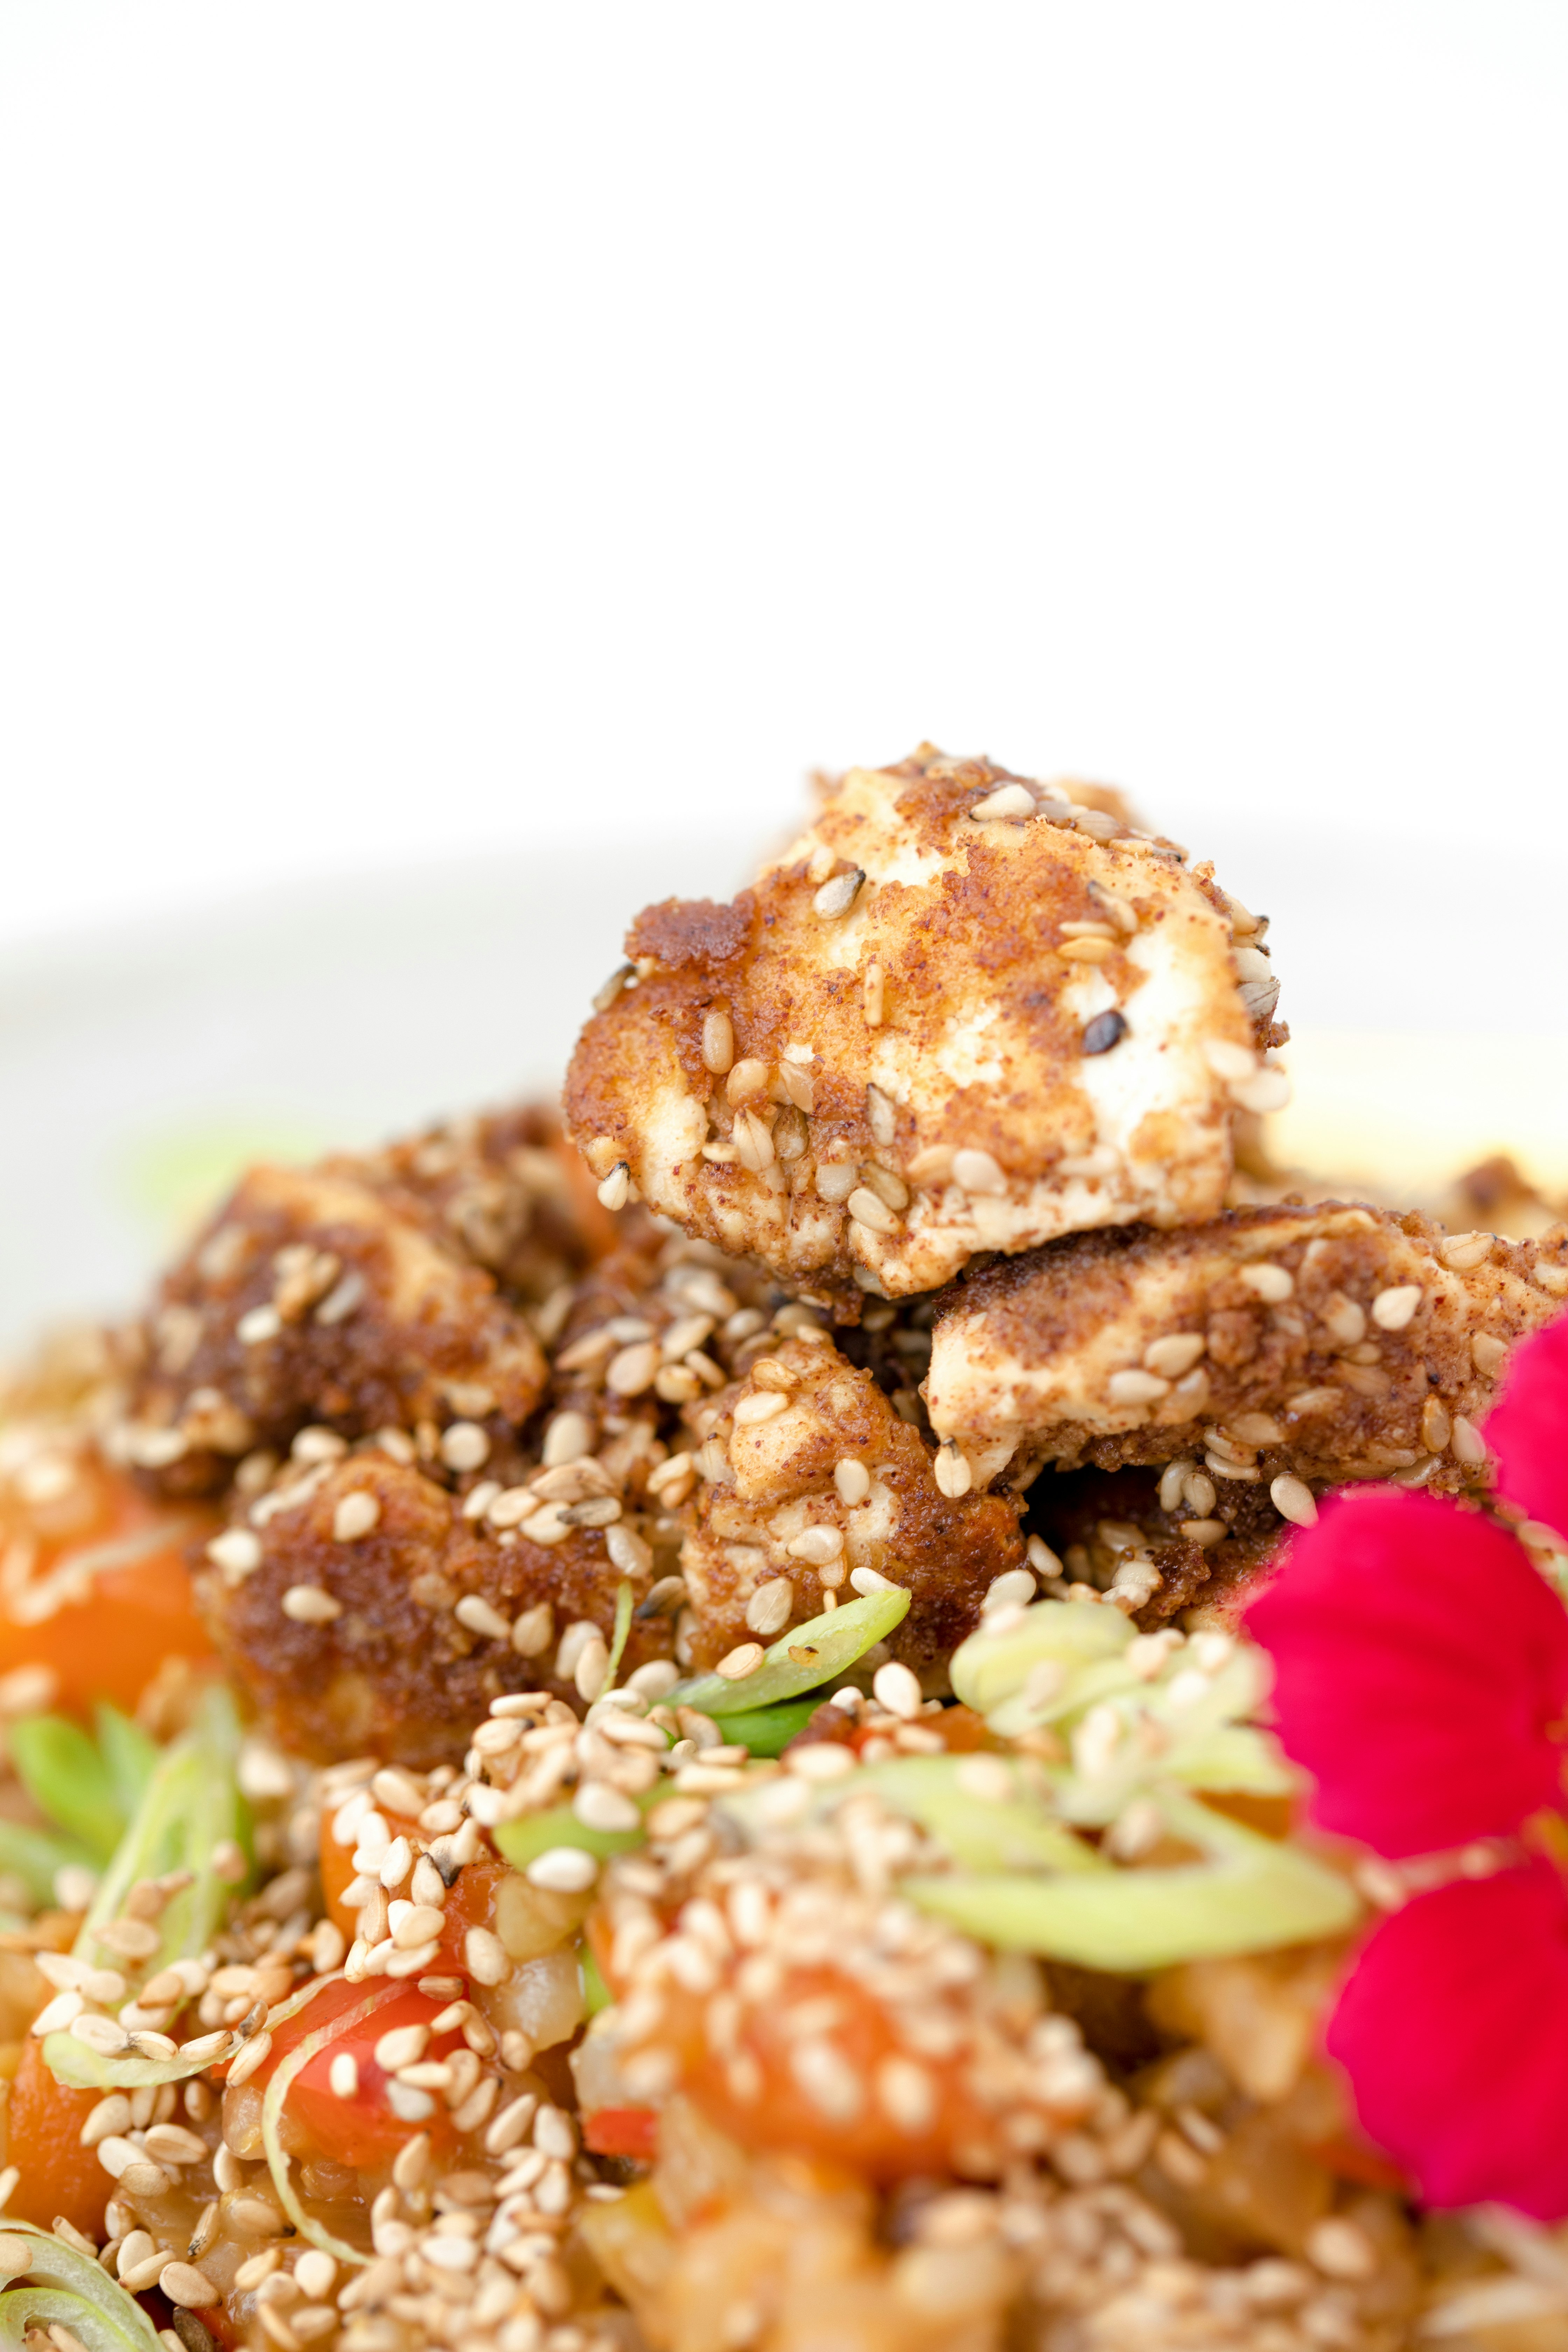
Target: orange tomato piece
116, 1563
470, 1900
363, 2129
59, 2178
622, 2131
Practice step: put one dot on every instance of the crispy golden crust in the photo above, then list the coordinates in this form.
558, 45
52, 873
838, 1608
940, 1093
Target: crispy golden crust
774, 1485
1327, 1341
1040, 992
396, 1671
312, 1298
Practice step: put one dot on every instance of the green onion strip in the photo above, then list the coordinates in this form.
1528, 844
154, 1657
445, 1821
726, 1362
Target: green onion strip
277, 2090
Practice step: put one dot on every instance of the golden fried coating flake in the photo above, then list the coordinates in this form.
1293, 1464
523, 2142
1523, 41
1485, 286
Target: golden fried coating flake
963, 1012
813, 1486
366, 1609
1323, 1342
312, 1298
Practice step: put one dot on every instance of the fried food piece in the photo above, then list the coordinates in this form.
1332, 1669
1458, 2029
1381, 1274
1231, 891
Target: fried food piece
810, 1480
1325, 1342
962, 1012
366, 1609
311, 1297
507, 1192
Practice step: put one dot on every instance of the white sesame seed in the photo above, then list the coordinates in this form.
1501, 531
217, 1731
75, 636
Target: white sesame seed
568, 1438
315, 2273
978, 1171
1014, 1587
258, 1325
882, 1116
1008, 801
717, 1042
533, 1630
760, 1405
186, 2287
1273, 1283
874, 995
952, 1469
1228, 1060
1469, 1447
906, 2094
867, 1579
562, 1870
592, 1670
1340, 2249
1294, 1500
1176, 1353
308, 1604
1136, 1388
817, 1546
479, 1617
615, 1191
821, 1760
753, 1141
342, 2076
741, 1662
237, 1551
1464, 1252
869, 1210
355, 1516
464, 1446
1488, 1353
771, 1605
599, 1807
627, 1552
836, 897
1269, 1089
896, 1688
633, 1369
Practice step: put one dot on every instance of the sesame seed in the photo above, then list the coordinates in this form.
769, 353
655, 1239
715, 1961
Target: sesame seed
1176, 1353
257, 1325
1293, 1499
598, 1806
761, 1405
1136, 1388
1041, 1558
355, 1516
237, 1551
717, 1042
952, 1469
402, 2046
817, 1546
308, 1604
479, 1617
562, 1870
835, 898
888, 1188
187, 2286
741, 1662
869, 1210
592, 1668
853, 1481
1203, 1532
867, 1580
1392, 1308
1013, 1587
568, 1438
1106, 1029
874, 995
829, 2080
1436, 1428
254, 2055
1269, 1089
615, 1191
627, 1552
1464, 1252
1272, 1284
1008, 803
977, 1171
753, 1141
1488, 1353
837, 1178
896, 1688
1340, 2248
1469, 1447
1094, 948
342, 1300
769, 1609
464, 1446
767, 1372
882, 1116
633, 1369
1228, 1060
342, 2076
932, 1166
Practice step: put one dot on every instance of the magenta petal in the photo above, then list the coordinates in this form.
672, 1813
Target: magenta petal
1420, 1664
1453, 2028
1527, 1428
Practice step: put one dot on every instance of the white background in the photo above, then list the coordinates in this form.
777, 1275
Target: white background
431, 428
460, 465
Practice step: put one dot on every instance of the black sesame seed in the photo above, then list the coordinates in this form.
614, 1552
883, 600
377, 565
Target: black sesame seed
1106, 1029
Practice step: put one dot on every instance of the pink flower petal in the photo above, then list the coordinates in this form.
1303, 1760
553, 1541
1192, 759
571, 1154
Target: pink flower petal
1527, 1428
1453, 2028
1420, 1663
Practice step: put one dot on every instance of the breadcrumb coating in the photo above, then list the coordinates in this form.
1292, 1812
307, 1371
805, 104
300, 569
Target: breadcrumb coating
1324, 1343
311, 1297
811, 1480
962, 1012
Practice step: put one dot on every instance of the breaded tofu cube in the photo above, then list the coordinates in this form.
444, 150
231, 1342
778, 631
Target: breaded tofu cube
312, 1298
1314, 1343
962, 1012
813, 1487
367, 1609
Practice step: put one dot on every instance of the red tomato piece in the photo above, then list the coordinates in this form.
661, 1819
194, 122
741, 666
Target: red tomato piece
362, 2130
470, 1901
622, 2131
43, 2136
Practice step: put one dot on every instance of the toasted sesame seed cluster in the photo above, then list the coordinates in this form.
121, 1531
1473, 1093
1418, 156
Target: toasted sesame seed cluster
594, 1963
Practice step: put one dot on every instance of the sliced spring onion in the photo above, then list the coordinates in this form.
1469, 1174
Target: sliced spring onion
982, 1833
130, 1756
35, 1858
1250, 1895
624, 1600
63, 2288
277, 2090
989, 1668
768, 1730
805, 1657
191, 1806
596, 1993
63, 1772
1233, 1757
